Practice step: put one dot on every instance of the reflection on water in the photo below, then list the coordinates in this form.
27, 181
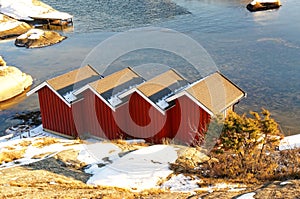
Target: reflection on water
258, 51
266, 16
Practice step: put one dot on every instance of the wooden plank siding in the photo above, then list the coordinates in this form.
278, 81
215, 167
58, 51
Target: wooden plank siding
189, 121
139, 119
98, 118
56, 115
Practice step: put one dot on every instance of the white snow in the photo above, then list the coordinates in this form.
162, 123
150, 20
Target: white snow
70, 97
263, 1
290, 142
145, 168
31, 151
32, 34
181, 183
24, 9
247, 196
138, 170
97, 152
21, 9
53, 15
285, 183
8, 25
162, 103
114, 100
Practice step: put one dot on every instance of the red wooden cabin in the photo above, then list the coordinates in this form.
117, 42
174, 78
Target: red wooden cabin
148, 115
57, 103
101, 103
197, 104
124, 105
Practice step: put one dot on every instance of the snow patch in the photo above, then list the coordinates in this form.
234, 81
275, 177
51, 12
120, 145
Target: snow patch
162, 103
32, 34
139, 170
8, 25
25, 9
114, 100
247, 196
290, 142
32, 151
181, 183
99, 153
70, 97
285, 183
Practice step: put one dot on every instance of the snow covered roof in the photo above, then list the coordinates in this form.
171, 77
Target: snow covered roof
65, 84
214, 93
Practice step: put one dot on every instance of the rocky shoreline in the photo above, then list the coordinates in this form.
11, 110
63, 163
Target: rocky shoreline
27, 121
13, 82
20, 18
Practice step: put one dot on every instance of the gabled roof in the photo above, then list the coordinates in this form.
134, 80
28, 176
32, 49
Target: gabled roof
113, 85
159, 88
65, 84
214, 93
163, 86
160, 82
72, 77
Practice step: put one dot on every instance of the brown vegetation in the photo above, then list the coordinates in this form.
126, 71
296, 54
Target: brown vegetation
9, 156
46, 141
246, 152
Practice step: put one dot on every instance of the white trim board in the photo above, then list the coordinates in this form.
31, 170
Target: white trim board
42, 85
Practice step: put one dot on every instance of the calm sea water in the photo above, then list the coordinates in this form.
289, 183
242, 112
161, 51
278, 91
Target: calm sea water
258, 51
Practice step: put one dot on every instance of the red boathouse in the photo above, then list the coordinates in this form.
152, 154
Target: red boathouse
123, 104
148, 114
57, 101
101, 115
197, 104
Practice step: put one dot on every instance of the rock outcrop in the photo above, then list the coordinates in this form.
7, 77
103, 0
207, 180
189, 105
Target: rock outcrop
13, 82
2, 62
259, 5
36, 38
11, 28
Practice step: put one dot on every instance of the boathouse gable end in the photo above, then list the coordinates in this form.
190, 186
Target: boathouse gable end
101, 102
57, 102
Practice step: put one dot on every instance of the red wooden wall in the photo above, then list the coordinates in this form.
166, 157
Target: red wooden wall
98, 118
189, 121
139, 119
56, 115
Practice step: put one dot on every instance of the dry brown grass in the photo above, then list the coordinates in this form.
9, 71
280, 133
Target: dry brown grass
125, 146
77, 141
46, 141
9, 156
276, 165
9, 148
25, 143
